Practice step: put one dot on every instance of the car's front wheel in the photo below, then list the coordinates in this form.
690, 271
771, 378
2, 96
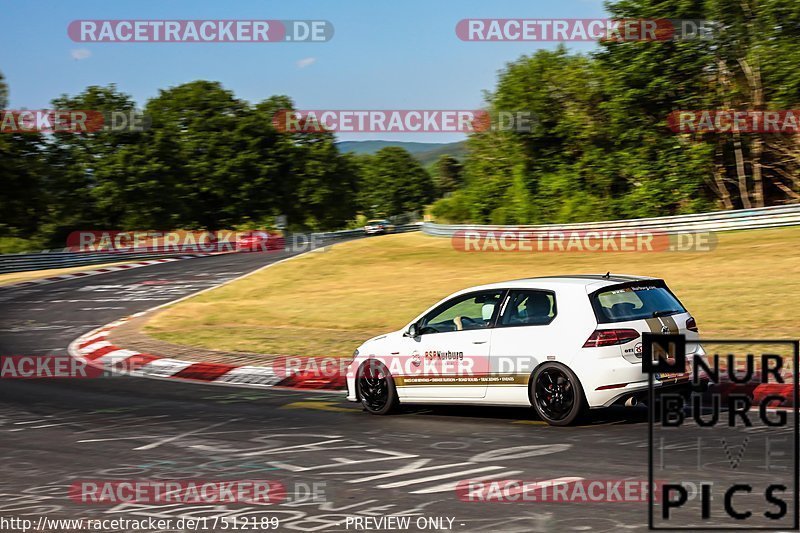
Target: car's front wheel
376, 388
557, 395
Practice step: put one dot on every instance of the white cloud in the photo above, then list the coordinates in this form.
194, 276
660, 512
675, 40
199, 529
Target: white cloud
306, 62
80, 53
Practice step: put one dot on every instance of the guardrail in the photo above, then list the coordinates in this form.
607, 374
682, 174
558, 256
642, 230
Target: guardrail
65, 258
763, 217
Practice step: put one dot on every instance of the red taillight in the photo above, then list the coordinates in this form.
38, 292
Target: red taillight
610, 337
691, 325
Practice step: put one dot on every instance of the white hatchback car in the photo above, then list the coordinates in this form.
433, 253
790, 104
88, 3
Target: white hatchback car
562, 344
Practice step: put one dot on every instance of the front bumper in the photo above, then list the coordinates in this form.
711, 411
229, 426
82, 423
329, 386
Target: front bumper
351, 389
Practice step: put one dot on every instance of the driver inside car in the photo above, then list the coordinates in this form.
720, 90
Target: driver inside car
462, 323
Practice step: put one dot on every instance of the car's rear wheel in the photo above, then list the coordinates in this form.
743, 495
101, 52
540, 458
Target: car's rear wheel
557, 395
376, 388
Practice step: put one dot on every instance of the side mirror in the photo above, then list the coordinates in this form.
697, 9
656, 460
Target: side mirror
411, 332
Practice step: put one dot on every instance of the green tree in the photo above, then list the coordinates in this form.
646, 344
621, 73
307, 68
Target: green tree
744, 66
556, 168
326, 186
448, 174
85, 182
22, 200
601, 146
393, 182
197, 127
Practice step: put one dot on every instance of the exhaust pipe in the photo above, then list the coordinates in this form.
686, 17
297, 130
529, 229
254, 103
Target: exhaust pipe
631, 402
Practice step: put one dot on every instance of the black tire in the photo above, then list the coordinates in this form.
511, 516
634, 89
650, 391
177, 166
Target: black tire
375, 388
557, 396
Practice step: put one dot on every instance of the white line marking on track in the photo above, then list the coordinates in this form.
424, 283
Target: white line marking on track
453, 485
460, 473
186, 434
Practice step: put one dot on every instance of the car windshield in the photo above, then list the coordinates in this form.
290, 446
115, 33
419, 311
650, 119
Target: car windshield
635, 303
373, 222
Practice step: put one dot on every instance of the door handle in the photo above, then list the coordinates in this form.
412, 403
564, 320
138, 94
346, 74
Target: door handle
478, 342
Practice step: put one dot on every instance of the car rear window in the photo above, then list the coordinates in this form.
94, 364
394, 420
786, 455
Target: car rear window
635, 302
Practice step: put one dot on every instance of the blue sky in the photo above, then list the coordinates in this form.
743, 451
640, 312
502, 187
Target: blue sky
384, 55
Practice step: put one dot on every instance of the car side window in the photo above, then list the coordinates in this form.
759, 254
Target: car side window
469, 311
529, 308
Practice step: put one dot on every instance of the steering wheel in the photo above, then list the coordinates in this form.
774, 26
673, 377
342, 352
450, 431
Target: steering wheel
462, 321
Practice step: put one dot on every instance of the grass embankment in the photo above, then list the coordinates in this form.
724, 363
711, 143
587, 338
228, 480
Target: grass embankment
327, 303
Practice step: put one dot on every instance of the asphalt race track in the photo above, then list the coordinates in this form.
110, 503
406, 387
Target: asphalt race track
54, 432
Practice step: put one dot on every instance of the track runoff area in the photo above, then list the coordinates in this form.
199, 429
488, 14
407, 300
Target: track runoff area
116, 453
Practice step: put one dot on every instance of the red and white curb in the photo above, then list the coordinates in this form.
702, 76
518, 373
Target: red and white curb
104, 270
95, 350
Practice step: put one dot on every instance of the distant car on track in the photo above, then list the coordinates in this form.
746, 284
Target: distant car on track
378, 227
563, 345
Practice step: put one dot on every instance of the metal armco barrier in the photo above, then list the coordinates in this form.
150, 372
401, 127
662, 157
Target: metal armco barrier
763, 217
65, 259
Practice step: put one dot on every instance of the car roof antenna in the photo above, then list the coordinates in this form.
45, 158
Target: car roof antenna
608, 275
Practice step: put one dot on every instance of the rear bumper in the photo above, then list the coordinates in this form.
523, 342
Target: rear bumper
610, 379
